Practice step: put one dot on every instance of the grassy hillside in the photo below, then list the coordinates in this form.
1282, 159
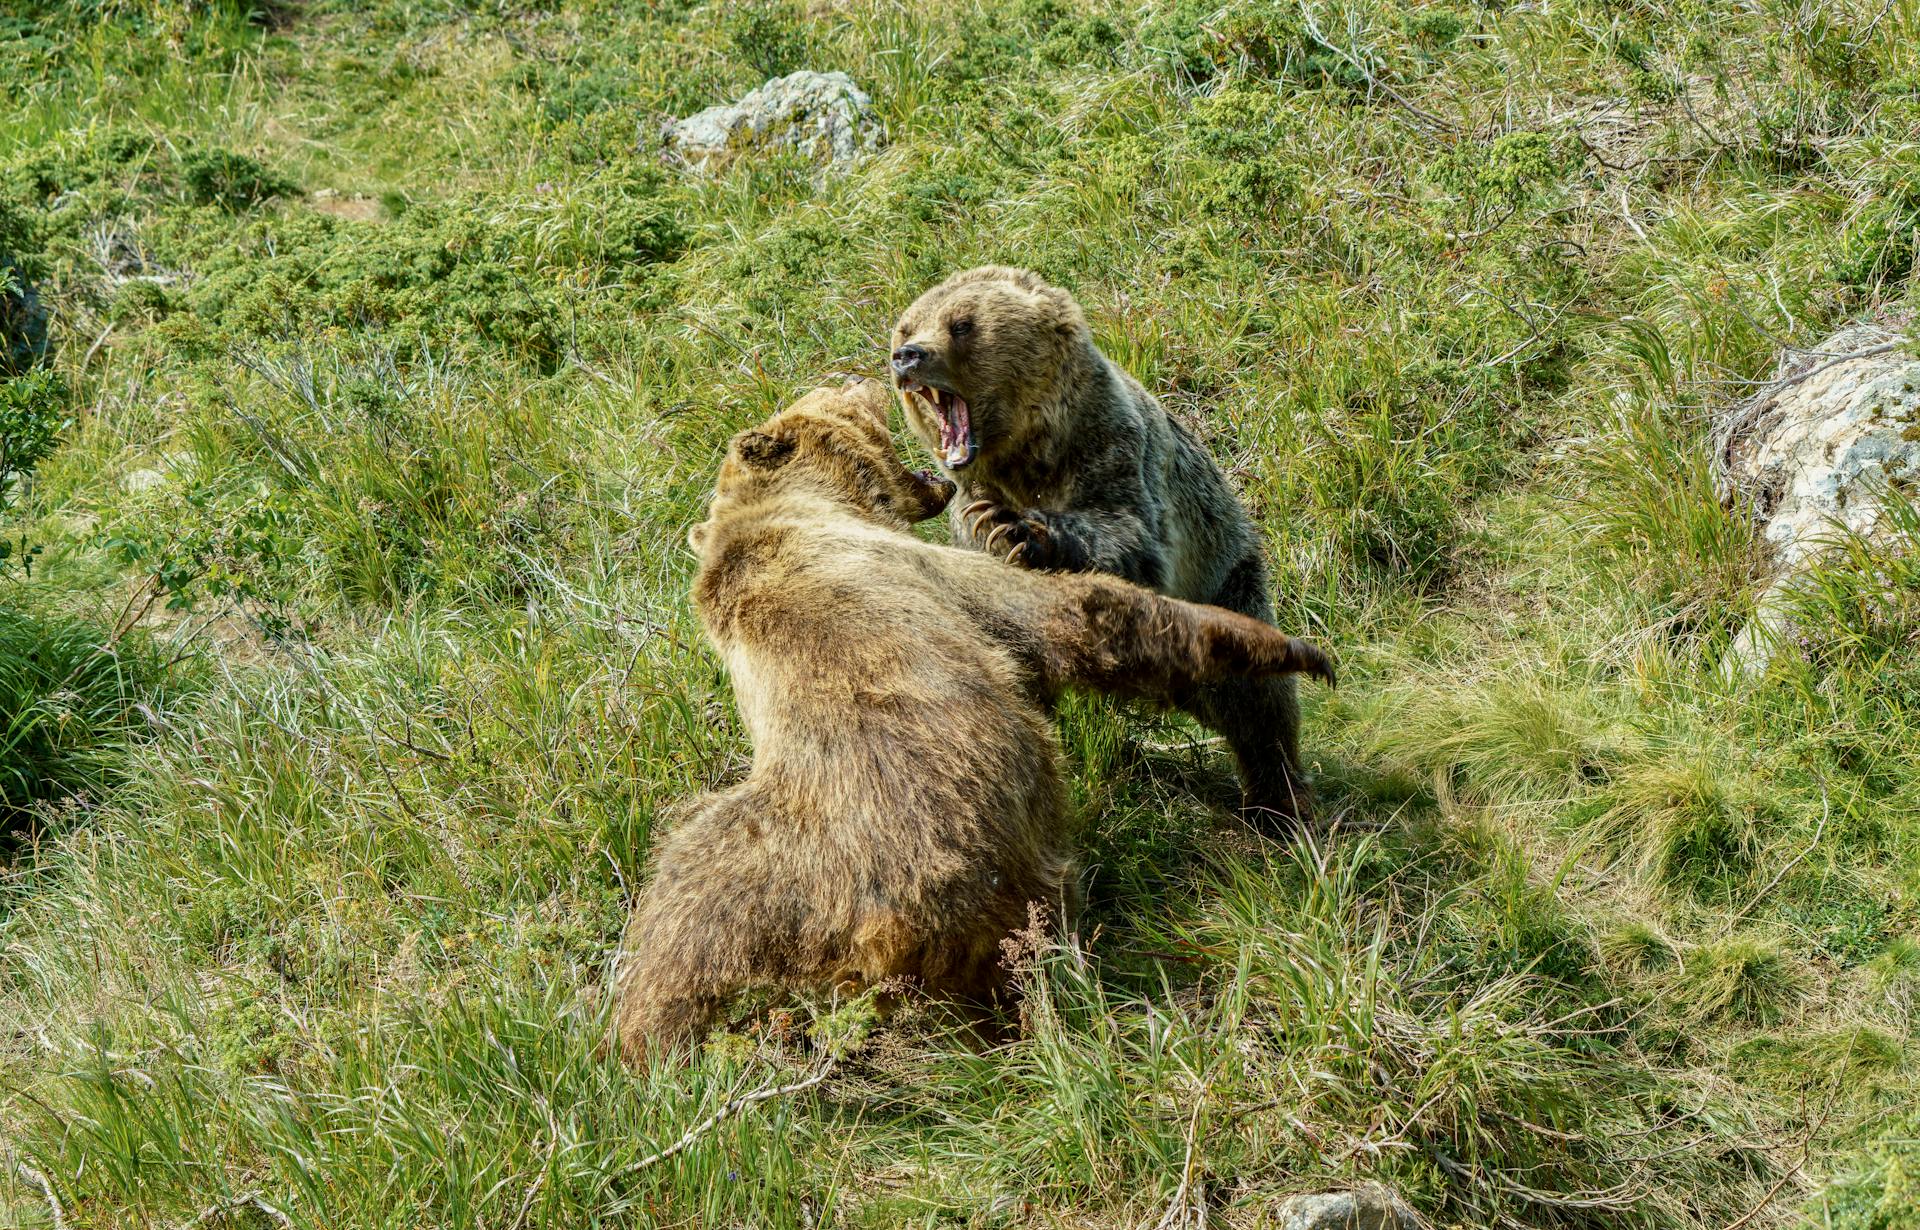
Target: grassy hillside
353, 671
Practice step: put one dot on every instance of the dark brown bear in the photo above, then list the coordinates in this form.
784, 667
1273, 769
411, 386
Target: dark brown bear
905, 802
1065, 463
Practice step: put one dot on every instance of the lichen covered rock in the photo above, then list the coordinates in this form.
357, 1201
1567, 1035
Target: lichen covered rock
1814, 453
1364, 1208
822, 116
1818, 450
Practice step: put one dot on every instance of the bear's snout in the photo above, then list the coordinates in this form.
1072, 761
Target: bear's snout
907, 358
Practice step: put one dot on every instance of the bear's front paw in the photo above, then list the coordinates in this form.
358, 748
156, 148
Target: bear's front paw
1024, 539
1309, 659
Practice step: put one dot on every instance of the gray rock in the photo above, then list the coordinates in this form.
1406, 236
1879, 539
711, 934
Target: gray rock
1364, 1208
1814, 451
824, 116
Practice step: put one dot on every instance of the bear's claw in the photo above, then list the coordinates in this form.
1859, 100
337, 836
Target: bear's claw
976, 513
1312, 660
1025, 539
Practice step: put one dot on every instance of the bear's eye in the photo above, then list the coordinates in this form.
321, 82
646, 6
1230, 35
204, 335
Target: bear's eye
961, 327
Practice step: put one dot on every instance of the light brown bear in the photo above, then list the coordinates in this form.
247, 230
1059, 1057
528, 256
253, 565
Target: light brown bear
905, 801
1065, 463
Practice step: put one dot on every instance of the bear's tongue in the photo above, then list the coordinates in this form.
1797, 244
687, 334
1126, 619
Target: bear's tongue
956, 428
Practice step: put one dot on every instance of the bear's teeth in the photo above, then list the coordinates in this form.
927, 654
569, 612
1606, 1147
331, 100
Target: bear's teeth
957, 433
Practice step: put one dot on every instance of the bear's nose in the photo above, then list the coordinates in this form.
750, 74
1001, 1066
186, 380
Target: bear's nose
908, 357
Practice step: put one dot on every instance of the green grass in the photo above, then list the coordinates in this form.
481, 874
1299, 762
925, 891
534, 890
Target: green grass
355, 666
72, 699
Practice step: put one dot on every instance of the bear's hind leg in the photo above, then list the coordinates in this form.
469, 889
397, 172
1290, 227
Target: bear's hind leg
715, 920
671, 984
656, 1019
1260, 720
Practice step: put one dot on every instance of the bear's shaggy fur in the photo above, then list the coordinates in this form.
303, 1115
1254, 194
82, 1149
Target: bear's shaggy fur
1065, 463
905, 801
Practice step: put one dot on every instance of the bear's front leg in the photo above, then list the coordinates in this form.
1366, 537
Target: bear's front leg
1033, 539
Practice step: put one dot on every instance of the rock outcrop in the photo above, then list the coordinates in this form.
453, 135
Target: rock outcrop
1814, 453
822, 116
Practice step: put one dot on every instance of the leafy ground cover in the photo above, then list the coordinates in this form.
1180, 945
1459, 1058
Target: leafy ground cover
348, 668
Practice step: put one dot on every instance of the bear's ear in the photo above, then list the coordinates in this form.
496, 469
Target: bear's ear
761, 450
870, 400
697, 536
1065, 310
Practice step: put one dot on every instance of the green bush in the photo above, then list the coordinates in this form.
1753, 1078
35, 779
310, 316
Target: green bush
768, 36
1200, 39
232, 181
1436, 29
1880, 248
23, 317
33, 413
1881, 1189
1855, 613
440, 274
1241, 138
1080, 40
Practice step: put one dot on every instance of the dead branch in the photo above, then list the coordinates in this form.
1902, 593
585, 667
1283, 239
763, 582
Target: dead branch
1188, 1210
1789, 381
733, 1107
37, 1179
1826, 811
1373, 83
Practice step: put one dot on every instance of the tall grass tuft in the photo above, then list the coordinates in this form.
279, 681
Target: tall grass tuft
71, 699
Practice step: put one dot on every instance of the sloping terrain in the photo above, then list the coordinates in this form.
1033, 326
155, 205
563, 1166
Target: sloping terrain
346, 667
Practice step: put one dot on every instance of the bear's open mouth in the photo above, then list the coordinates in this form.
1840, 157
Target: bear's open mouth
958, 448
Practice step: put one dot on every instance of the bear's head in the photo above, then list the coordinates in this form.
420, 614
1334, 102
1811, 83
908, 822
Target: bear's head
832, 443
978, 356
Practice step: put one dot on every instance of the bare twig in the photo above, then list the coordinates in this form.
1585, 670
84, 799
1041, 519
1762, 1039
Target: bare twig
1426, 117
1397, 1135
47, 1193
1617, 1197
1866, 35
1806, 1151
533, 1190
1766, 1199
1539, 330
146, 592
1789, 381
1188, 1211
1462, 237
731, 1108
411, 746
1686, 104
95, 348
1826, 811
1594, 151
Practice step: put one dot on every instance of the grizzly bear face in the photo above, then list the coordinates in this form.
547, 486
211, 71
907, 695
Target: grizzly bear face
972, 356
832, 443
